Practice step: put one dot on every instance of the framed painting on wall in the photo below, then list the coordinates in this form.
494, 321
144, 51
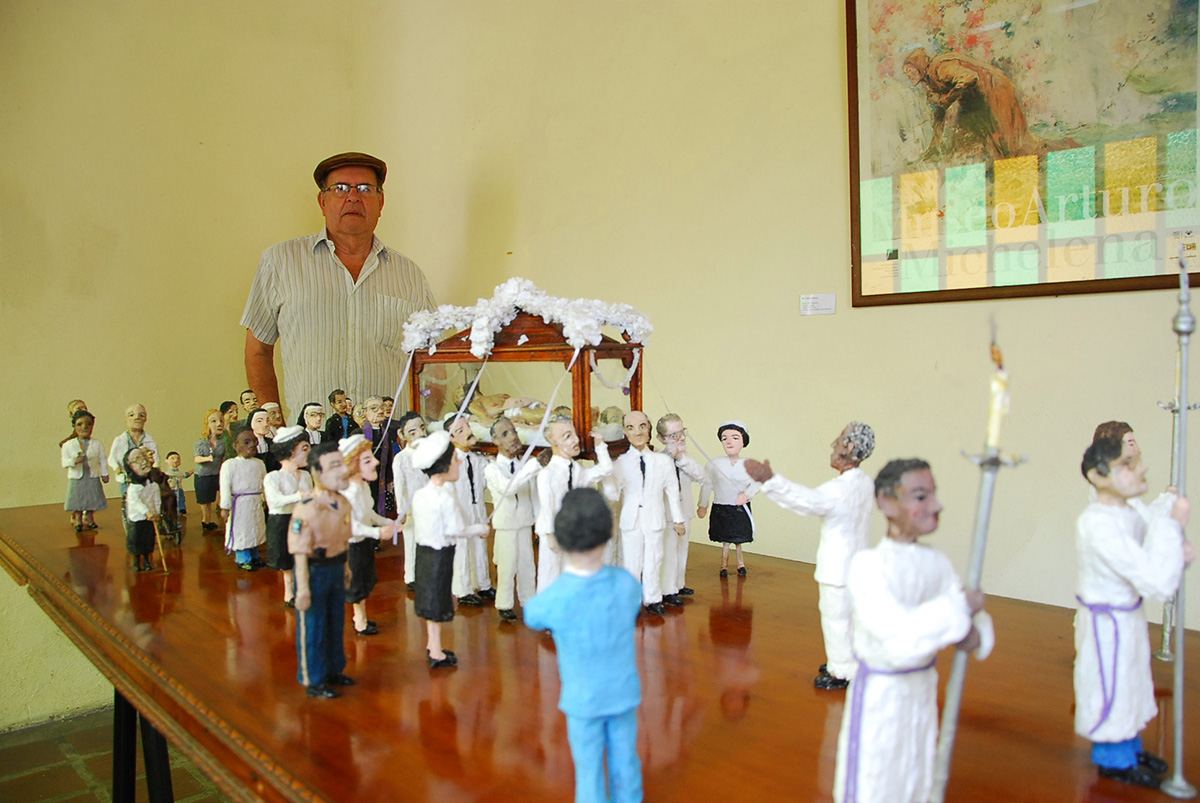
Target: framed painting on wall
1020, 147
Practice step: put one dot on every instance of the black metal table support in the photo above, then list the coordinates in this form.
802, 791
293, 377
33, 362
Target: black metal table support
154, 753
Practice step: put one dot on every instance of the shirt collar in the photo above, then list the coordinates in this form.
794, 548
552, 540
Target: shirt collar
323, 241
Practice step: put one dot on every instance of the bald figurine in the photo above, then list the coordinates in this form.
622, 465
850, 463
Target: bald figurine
642, 480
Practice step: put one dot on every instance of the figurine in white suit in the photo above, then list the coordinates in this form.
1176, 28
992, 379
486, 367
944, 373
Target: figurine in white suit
673, 435
1127, 551
560, 475
844, 503
907, 604
471, 571
514, 512
642, 479
408, 480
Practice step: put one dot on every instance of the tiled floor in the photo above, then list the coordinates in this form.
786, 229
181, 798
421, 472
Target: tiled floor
71, 760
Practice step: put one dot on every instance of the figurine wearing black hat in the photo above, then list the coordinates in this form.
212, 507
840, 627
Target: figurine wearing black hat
343, 281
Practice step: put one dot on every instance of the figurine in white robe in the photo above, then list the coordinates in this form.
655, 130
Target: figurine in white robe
844, 503
1127, 551
241, 500
907, 604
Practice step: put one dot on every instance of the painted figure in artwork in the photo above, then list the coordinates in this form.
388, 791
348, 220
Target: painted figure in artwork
977, 115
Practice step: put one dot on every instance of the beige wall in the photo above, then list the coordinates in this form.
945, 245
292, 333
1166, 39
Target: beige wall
686, 157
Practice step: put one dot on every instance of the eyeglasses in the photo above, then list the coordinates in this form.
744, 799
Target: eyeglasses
677, 436
363, 190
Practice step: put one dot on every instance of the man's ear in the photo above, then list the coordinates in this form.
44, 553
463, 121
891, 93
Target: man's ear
1097, 479
889, 505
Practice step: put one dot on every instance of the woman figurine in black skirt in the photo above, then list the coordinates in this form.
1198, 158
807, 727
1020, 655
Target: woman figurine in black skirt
731, 489
439, 521
367, 528
282, 489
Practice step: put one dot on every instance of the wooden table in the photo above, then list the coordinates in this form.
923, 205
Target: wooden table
206, 653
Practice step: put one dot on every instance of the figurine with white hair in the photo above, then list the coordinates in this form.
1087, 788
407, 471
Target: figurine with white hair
844, 504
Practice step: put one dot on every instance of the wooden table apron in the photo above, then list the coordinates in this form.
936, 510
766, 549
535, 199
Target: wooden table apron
239, 768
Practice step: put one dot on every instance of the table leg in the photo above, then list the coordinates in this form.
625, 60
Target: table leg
125, 719
158, 764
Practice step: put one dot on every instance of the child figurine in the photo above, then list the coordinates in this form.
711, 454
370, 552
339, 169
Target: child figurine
241, 483
732, 489
471, 571
673, 436
83, 458
408, 481
175, 477
1127, 551
844, 503
73, 406
283, 489
511, 486
143, 503
438, 521
317, 539
906, 604
641, 480
591, 610
209, 454
562, 473
366, 527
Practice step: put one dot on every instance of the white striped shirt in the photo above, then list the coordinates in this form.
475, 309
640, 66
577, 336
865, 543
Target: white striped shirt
335, 332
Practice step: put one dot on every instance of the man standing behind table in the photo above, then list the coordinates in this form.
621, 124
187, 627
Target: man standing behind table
341, 280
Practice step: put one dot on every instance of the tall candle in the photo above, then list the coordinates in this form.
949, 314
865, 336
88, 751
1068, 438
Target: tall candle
999, 407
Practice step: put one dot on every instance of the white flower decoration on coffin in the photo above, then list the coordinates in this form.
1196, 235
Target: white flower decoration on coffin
581, 319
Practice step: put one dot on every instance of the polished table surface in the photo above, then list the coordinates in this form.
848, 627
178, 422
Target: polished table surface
729, 711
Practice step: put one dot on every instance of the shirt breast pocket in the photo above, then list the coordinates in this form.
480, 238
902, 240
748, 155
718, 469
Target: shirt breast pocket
390, 316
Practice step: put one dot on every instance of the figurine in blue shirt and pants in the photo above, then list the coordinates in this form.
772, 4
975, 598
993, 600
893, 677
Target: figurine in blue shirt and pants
591, 610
